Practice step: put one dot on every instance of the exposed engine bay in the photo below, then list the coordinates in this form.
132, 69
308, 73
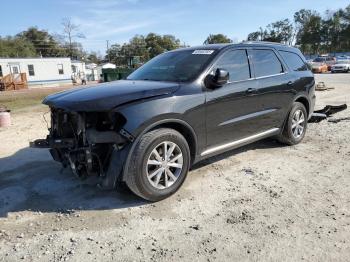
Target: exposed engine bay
85, 141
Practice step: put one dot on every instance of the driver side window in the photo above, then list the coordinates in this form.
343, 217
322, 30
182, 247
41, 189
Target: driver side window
236, 63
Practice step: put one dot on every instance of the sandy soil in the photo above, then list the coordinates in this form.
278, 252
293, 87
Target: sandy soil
263, 202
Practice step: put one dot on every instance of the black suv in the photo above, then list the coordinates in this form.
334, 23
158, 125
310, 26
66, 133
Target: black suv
180, 108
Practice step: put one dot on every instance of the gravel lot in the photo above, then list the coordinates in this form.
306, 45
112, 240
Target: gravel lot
263, 202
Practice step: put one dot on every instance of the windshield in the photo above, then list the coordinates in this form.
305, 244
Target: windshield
343, 62
319, 60
178, 66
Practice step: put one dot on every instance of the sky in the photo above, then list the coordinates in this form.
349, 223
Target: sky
119, 20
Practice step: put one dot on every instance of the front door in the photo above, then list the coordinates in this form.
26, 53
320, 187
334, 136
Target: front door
232, 111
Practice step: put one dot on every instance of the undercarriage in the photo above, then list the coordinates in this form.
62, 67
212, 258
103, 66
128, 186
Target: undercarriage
88, 143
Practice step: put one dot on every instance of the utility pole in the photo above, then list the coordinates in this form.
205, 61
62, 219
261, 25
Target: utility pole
109, 59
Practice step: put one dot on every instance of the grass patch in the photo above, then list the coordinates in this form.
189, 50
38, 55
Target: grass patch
18, 100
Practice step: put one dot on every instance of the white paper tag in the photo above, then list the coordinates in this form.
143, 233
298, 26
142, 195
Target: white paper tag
202, 52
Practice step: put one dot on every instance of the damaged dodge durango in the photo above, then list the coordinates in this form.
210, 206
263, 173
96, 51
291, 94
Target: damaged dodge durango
177, 109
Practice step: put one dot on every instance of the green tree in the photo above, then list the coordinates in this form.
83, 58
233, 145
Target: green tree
312, 32
309, 30
137, 48
154, 44
217, 39
45, 45
338, 26
170, 42
74, 50
157, 44
331, 31
141, 48
301, 18
279, 31
16, 47
128, 53
310, 38
94, 57
254, 36
345, 34
114, 54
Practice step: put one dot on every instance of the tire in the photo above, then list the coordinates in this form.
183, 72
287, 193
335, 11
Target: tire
142, 177
290, 134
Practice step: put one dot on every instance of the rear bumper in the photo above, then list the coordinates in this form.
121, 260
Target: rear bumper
343, 70
312, 105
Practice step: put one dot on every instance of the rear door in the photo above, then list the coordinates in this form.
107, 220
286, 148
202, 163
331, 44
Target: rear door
275, 87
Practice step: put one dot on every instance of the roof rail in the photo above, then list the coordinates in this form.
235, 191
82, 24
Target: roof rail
263, 42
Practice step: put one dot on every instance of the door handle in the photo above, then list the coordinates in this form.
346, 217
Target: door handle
290, 83
251, 90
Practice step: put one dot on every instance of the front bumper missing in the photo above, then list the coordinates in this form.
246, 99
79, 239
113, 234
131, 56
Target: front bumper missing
53, 143
93, 137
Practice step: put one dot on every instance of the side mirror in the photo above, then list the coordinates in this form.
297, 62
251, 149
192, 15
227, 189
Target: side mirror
217, 80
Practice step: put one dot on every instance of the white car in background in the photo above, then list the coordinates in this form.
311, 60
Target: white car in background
342, 66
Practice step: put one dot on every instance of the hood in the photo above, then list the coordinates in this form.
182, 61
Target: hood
317, 64
106, 96
341, 65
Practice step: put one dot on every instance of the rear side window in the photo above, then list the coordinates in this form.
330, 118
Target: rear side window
294, 61
236, 63
266, 63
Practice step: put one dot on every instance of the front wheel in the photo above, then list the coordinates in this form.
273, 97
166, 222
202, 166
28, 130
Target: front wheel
159, 164
295, 127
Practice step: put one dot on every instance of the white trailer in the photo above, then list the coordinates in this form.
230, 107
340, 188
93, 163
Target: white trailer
40, 71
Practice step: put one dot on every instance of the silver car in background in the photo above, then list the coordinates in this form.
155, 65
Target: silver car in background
341, 66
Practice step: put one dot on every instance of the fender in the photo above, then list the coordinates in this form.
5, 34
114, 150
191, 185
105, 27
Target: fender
148, 128
185, 107
304, 97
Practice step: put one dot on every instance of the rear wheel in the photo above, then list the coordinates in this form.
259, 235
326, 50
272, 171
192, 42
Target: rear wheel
295, 126
159, 164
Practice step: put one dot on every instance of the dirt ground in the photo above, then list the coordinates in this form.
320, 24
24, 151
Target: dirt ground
263, 202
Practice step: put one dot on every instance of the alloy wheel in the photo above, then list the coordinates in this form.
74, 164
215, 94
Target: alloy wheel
298, 123
164, 165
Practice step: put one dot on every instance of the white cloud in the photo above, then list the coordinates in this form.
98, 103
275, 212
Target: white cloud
120, 29
117, 20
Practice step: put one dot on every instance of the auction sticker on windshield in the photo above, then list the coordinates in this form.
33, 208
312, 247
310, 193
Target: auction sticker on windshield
202, 52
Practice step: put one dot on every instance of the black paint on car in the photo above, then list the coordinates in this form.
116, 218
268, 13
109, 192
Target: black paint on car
179, 108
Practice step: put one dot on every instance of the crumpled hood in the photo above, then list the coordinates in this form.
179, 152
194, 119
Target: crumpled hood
104, 97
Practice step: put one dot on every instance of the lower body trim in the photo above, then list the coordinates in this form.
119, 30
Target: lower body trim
242, 141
